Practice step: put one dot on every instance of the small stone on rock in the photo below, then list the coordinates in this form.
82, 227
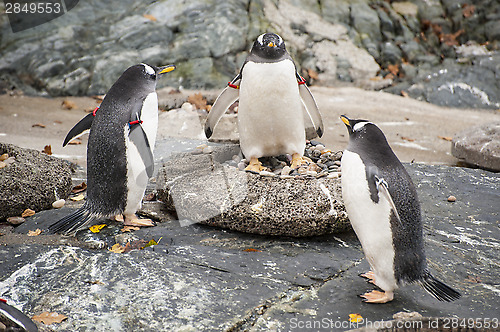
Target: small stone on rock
266, 173
187, 107
4, 156
58, 204
286, 170
452, 198
15, 220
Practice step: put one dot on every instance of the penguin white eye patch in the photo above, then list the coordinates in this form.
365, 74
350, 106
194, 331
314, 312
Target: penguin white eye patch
359, 125
148, 69
260, 39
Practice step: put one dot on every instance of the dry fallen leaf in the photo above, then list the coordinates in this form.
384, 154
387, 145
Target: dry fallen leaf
75, 142
94, 282
473, 279
150, 17
404, 94
152, 242
117, 248
393, 69
79, 188
355, 318
312, 74
77, 198
407, 139
468, 10
48, 318
198, 101
134, 245
68, 104
446, 138
35, 233
252, 250
97, 228
129, 229
47, 149
27, 213
41, 125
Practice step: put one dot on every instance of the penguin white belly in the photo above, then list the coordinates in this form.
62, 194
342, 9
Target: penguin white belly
370, 220
270, 118
137, 178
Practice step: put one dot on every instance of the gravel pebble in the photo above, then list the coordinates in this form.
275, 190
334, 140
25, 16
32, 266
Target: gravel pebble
58, 204
15, 220
452, 198
266, 173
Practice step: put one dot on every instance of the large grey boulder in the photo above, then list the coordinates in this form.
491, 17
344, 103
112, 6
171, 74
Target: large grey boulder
479, 146
33, 180
200, 188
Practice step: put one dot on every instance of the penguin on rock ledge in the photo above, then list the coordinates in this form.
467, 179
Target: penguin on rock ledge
272, 97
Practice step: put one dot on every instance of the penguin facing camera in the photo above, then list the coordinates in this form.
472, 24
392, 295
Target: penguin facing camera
383, 208
119, 150
272, 97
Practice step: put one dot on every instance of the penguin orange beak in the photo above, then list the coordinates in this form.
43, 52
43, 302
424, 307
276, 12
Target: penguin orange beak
271, 44
345, 120
166, 69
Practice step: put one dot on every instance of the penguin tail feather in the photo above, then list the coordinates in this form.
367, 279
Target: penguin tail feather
438, 289
71, 223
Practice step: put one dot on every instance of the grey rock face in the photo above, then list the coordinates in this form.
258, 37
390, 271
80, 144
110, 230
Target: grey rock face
479, 146
33, 180
199, 188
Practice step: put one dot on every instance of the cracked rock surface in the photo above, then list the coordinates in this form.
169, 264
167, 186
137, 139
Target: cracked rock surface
200, 278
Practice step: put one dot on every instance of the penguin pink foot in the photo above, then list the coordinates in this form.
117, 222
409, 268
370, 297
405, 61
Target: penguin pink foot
255, 166
133, 220
298, 160
370, 276
377, 297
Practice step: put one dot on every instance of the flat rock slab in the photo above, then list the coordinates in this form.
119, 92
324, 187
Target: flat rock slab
479, 146
200, 188
202, 278
34, 180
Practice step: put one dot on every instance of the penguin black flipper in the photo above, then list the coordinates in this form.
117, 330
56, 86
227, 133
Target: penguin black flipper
138, 136
310, 104
70, 224
17, 317
438, 289
226, 98
80, 128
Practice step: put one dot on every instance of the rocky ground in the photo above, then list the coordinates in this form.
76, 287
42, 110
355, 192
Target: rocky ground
210, 279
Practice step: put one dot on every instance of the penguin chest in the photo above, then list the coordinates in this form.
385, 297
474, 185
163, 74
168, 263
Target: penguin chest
270, 117
370, 220
137, 178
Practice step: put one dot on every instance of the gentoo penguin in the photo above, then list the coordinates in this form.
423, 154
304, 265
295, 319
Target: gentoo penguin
11, 316
271, 99
383, 208
119, 150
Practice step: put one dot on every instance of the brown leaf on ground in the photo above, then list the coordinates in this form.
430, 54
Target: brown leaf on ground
117, 248
150, 17
79, 188
134, 245
312, 74
41, 125
37, 232
450, 39
468, 10
48, 318
28, 213
94, 282
473, 279
252, 250
446, 138
68, 104
47, 149
355, 318
97, 228
393, 69
198, 101
77, 198
407, 139
404, 94
129, 229
75, 142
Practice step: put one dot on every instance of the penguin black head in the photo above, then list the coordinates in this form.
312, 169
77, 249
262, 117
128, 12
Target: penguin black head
364, 132
269, 46
143, 76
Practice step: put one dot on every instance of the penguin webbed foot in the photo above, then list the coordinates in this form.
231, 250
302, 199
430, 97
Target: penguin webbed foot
254, 166
133, 220
377, 297
370, 275
298, 160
